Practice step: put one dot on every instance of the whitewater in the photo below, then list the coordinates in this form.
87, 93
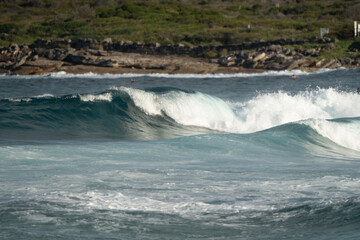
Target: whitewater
183, 156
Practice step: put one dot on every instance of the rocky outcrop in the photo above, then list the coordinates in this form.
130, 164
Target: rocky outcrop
277, 57
158, 49
46, 55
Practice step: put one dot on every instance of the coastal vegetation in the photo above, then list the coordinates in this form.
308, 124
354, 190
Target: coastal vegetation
193, 23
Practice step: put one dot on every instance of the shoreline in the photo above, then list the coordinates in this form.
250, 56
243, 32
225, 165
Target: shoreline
45, 56
130, 63
96, 70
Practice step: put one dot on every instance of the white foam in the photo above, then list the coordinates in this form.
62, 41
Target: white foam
45, 95
346, 134
273, 109
19, 99
186, 108
262, 112
29, 99
92, 98
226, 198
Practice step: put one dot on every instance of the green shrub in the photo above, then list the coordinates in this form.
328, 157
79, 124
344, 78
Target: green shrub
211, 54
106, 12
9, 27
84, 11
39, 30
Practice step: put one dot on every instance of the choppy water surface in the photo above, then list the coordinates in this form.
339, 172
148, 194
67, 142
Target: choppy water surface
243, 156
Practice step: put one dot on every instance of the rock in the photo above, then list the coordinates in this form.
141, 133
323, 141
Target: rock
336, 64
128, 43
35, 57
329, 46
41, 43
87, 43
75, 58
14, 47
22, 61
287, 52
96, 52
295, 64
4, 36
107, 41
274, 66
108, 63
274, 48
307, 63
319, 63
61, 43
44, 63
214, 60
117, 45
107, 44
260, 57
226, 61
50, 54
356, 62
310, 52
327, 64
346, 61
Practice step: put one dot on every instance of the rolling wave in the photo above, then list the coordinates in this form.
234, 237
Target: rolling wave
158, 113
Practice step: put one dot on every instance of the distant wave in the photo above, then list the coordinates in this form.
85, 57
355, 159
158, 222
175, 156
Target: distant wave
63, 74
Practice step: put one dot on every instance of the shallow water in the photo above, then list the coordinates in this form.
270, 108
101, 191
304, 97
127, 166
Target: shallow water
242, 156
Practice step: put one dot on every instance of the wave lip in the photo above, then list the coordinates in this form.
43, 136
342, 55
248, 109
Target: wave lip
99, 97
344, 132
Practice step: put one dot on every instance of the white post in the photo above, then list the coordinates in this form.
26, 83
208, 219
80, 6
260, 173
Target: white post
355, 29
358, 30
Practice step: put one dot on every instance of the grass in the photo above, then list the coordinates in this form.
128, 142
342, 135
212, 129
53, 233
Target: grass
169, 21
341, 49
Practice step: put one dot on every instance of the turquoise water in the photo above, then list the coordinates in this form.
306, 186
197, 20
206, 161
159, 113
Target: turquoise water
241, 156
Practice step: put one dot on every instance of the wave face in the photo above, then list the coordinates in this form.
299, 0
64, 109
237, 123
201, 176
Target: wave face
157, 113
108, 115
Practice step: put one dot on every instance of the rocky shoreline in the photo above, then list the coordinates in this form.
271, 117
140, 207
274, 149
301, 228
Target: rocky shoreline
89, 55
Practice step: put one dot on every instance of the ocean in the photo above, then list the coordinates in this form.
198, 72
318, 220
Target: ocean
226, 156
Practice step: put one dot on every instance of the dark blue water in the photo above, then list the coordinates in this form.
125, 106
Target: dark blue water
260, 156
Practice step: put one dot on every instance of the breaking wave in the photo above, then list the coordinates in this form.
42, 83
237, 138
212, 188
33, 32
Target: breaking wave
129, 113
